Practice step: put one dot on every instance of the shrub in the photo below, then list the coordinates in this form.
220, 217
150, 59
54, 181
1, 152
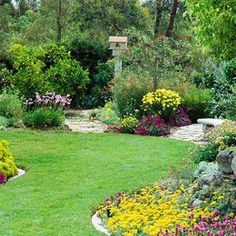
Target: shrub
93, 56
195, 101
128, 92
223, 91
66, 76
152, 125
206, 153
179, 118
7, 165
129, 124
48, 68
163, 102
3, 122
10, 105
44, 118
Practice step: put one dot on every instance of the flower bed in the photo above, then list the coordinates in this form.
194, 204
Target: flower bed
168, 211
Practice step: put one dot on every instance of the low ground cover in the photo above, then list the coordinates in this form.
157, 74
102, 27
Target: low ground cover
68, 175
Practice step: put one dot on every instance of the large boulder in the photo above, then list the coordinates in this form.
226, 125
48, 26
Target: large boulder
224, 160
233, 164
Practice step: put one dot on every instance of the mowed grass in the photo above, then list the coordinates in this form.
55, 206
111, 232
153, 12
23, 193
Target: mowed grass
69, 174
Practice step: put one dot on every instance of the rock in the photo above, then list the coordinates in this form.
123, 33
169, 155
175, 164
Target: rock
232, 200
211, 179
233, 164
224, 160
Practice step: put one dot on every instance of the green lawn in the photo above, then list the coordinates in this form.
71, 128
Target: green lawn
69, 174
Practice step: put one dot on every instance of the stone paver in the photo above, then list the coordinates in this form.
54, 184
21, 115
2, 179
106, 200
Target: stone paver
85, 126
192, 133
79, 122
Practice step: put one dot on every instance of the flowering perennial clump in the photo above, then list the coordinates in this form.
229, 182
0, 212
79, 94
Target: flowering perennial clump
129, 124
157, 210
163, 102
225, 135
152, 125
179, 118
49, 100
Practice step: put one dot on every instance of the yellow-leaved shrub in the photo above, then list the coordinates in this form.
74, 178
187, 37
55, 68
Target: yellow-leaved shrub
7, 165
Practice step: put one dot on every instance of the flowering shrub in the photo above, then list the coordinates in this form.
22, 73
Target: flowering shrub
152, 125
50, 100
163, 102
129, 124
225, 135
158, 210
7, 165
179, 118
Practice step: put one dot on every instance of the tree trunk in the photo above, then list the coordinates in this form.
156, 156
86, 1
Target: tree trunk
59, 25
172, 18
159, 9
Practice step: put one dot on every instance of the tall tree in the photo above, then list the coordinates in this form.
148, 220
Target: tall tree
159, 10
111, 16
172, 18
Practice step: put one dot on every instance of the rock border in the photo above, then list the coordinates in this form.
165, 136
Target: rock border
99, 225
20, 173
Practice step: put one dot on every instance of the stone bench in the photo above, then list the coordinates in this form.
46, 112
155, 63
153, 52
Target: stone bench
209, 122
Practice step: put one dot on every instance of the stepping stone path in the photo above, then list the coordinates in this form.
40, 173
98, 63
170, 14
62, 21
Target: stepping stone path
192, 133
79, 122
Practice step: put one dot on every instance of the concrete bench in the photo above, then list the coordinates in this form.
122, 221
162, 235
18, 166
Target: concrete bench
209, 122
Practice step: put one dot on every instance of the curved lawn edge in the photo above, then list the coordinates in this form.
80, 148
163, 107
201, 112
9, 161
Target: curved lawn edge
20, 173
98, 224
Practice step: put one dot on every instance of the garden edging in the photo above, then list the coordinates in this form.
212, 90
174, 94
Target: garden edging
98, 224
20, 173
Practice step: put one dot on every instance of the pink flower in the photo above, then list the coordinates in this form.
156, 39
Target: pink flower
2, 179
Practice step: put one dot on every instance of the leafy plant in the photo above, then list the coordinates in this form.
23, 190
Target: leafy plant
10, 105
3, 122
152, 125
7, 165
206, 153
44, 118
106, 114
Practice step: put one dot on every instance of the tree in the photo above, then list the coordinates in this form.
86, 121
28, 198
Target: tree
166, 14
214, 26
111, 17
172, 18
